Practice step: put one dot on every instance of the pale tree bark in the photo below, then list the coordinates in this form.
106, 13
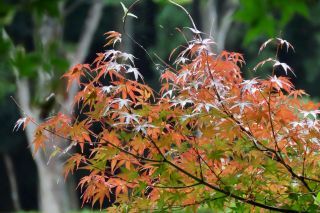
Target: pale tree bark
53, 192
216, 19
12, 181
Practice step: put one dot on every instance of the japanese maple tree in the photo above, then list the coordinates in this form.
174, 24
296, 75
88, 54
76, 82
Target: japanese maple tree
209, 137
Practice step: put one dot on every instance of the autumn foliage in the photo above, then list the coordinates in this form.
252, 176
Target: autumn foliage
209, 137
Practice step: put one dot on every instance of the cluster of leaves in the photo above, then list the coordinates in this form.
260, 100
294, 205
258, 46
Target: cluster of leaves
209, 137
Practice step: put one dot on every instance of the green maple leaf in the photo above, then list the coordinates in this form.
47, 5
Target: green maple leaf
126, 12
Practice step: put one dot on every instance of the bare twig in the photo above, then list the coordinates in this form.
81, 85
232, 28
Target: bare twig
130, 37
188, 14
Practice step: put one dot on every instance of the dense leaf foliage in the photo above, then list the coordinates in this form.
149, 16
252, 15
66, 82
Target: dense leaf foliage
209, 136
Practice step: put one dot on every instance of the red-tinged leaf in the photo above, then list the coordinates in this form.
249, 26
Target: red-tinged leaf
73, 163
236, 58
139, 145
102, 192
281, 82
86, 137
172, 52
99, 59
177, 138
80, 133
111, 137
127, 165
39, 140
112, 38
298, 93
168, 76
75, 74
113, 166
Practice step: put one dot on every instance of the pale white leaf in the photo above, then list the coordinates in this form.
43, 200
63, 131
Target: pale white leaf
286, 43
19, 123
242, 105
127, 56
284, 66
126, 13
129, 117
132, 15
195, 31
312, 113
108, 89
265, 44
249, 86
135, 72
122, 102
169, 93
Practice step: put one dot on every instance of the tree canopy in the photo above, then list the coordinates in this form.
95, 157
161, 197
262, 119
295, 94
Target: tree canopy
208, 137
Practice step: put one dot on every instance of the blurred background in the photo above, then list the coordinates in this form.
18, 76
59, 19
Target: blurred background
41, 39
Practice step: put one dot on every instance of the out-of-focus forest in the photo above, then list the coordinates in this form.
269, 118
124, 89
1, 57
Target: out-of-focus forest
41, 39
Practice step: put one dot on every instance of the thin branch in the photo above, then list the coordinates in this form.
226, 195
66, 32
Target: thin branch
228, 193
158, 149
159, 185
165, 63
129, 36
310, 179
200, 165
199, 159
213, 172
176, 187
92, 134
179, 207
188, 14
130, 153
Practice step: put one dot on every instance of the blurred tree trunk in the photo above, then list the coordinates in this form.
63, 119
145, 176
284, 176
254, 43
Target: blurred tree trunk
216, 19
54, 195
12, 181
